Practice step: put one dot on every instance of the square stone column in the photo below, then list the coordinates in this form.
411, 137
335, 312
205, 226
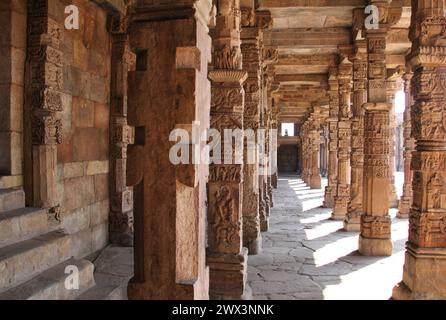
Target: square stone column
169, 104
425, 263
43, 104
375, 237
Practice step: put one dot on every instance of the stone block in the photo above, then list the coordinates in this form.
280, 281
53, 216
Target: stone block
101, 187
76, 220
65, 150
79, 193
22, 261
99, 213
11, 199
73, 170
50, 285
98, 89
101, 115
83, 113
97, 167
90, 144
22, 224
99, 236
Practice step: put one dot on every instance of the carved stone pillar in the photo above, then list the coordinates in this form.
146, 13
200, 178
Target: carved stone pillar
251, 51
315, 143
305, 152
375, 237
123, 61
342, 196
425, 263
226, 256
409, 147
170, 90
392, 88
330, 190
353, 219
43, 103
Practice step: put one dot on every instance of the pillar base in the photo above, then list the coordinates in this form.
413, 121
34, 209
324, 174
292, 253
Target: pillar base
403, 209
228, 276
315, 182
339, 210
188, 290
255, 246
352, 224
375, 247
393, 198
423, 277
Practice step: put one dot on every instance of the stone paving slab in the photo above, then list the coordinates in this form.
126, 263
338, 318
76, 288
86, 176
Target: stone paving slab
307, 256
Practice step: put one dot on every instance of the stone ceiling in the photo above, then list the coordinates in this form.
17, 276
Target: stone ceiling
307, 34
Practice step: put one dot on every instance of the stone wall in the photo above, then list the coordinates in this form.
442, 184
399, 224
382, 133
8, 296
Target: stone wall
12, 62
83, 166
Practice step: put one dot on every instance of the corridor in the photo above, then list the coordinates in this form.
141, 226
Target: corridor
308, 256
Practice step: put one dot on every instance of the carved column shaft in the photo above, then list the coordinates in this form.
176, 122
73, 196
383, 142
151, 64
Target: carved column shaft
342, 196
121, 208
392, 87
330, 190
43, 104
251, 50
375, 238
425, 262
226, 256
409, 147
352, 221
314, 157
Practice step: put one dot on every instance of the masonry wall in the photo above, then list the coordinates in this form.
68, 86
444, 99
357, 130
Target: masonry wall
83, 164
12, 62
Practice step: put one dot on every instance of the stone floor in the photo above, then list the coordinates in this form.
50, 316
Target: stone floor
308, 256
305, 255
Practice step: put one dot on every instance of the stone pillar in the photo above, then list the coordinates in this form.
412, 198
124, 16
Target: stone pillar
375, 237
353, 219
226, 256
315, 143
409, 147
170, 90
251, 51
342, 196
123, 61
425, 263
392, 88
330, 190
305, 149
43, 104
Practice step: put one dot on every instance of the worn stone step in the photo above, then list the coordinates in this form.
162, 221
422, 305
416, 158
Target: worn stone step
50, 285
22, 261
100, 292
22, 224
11, 199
